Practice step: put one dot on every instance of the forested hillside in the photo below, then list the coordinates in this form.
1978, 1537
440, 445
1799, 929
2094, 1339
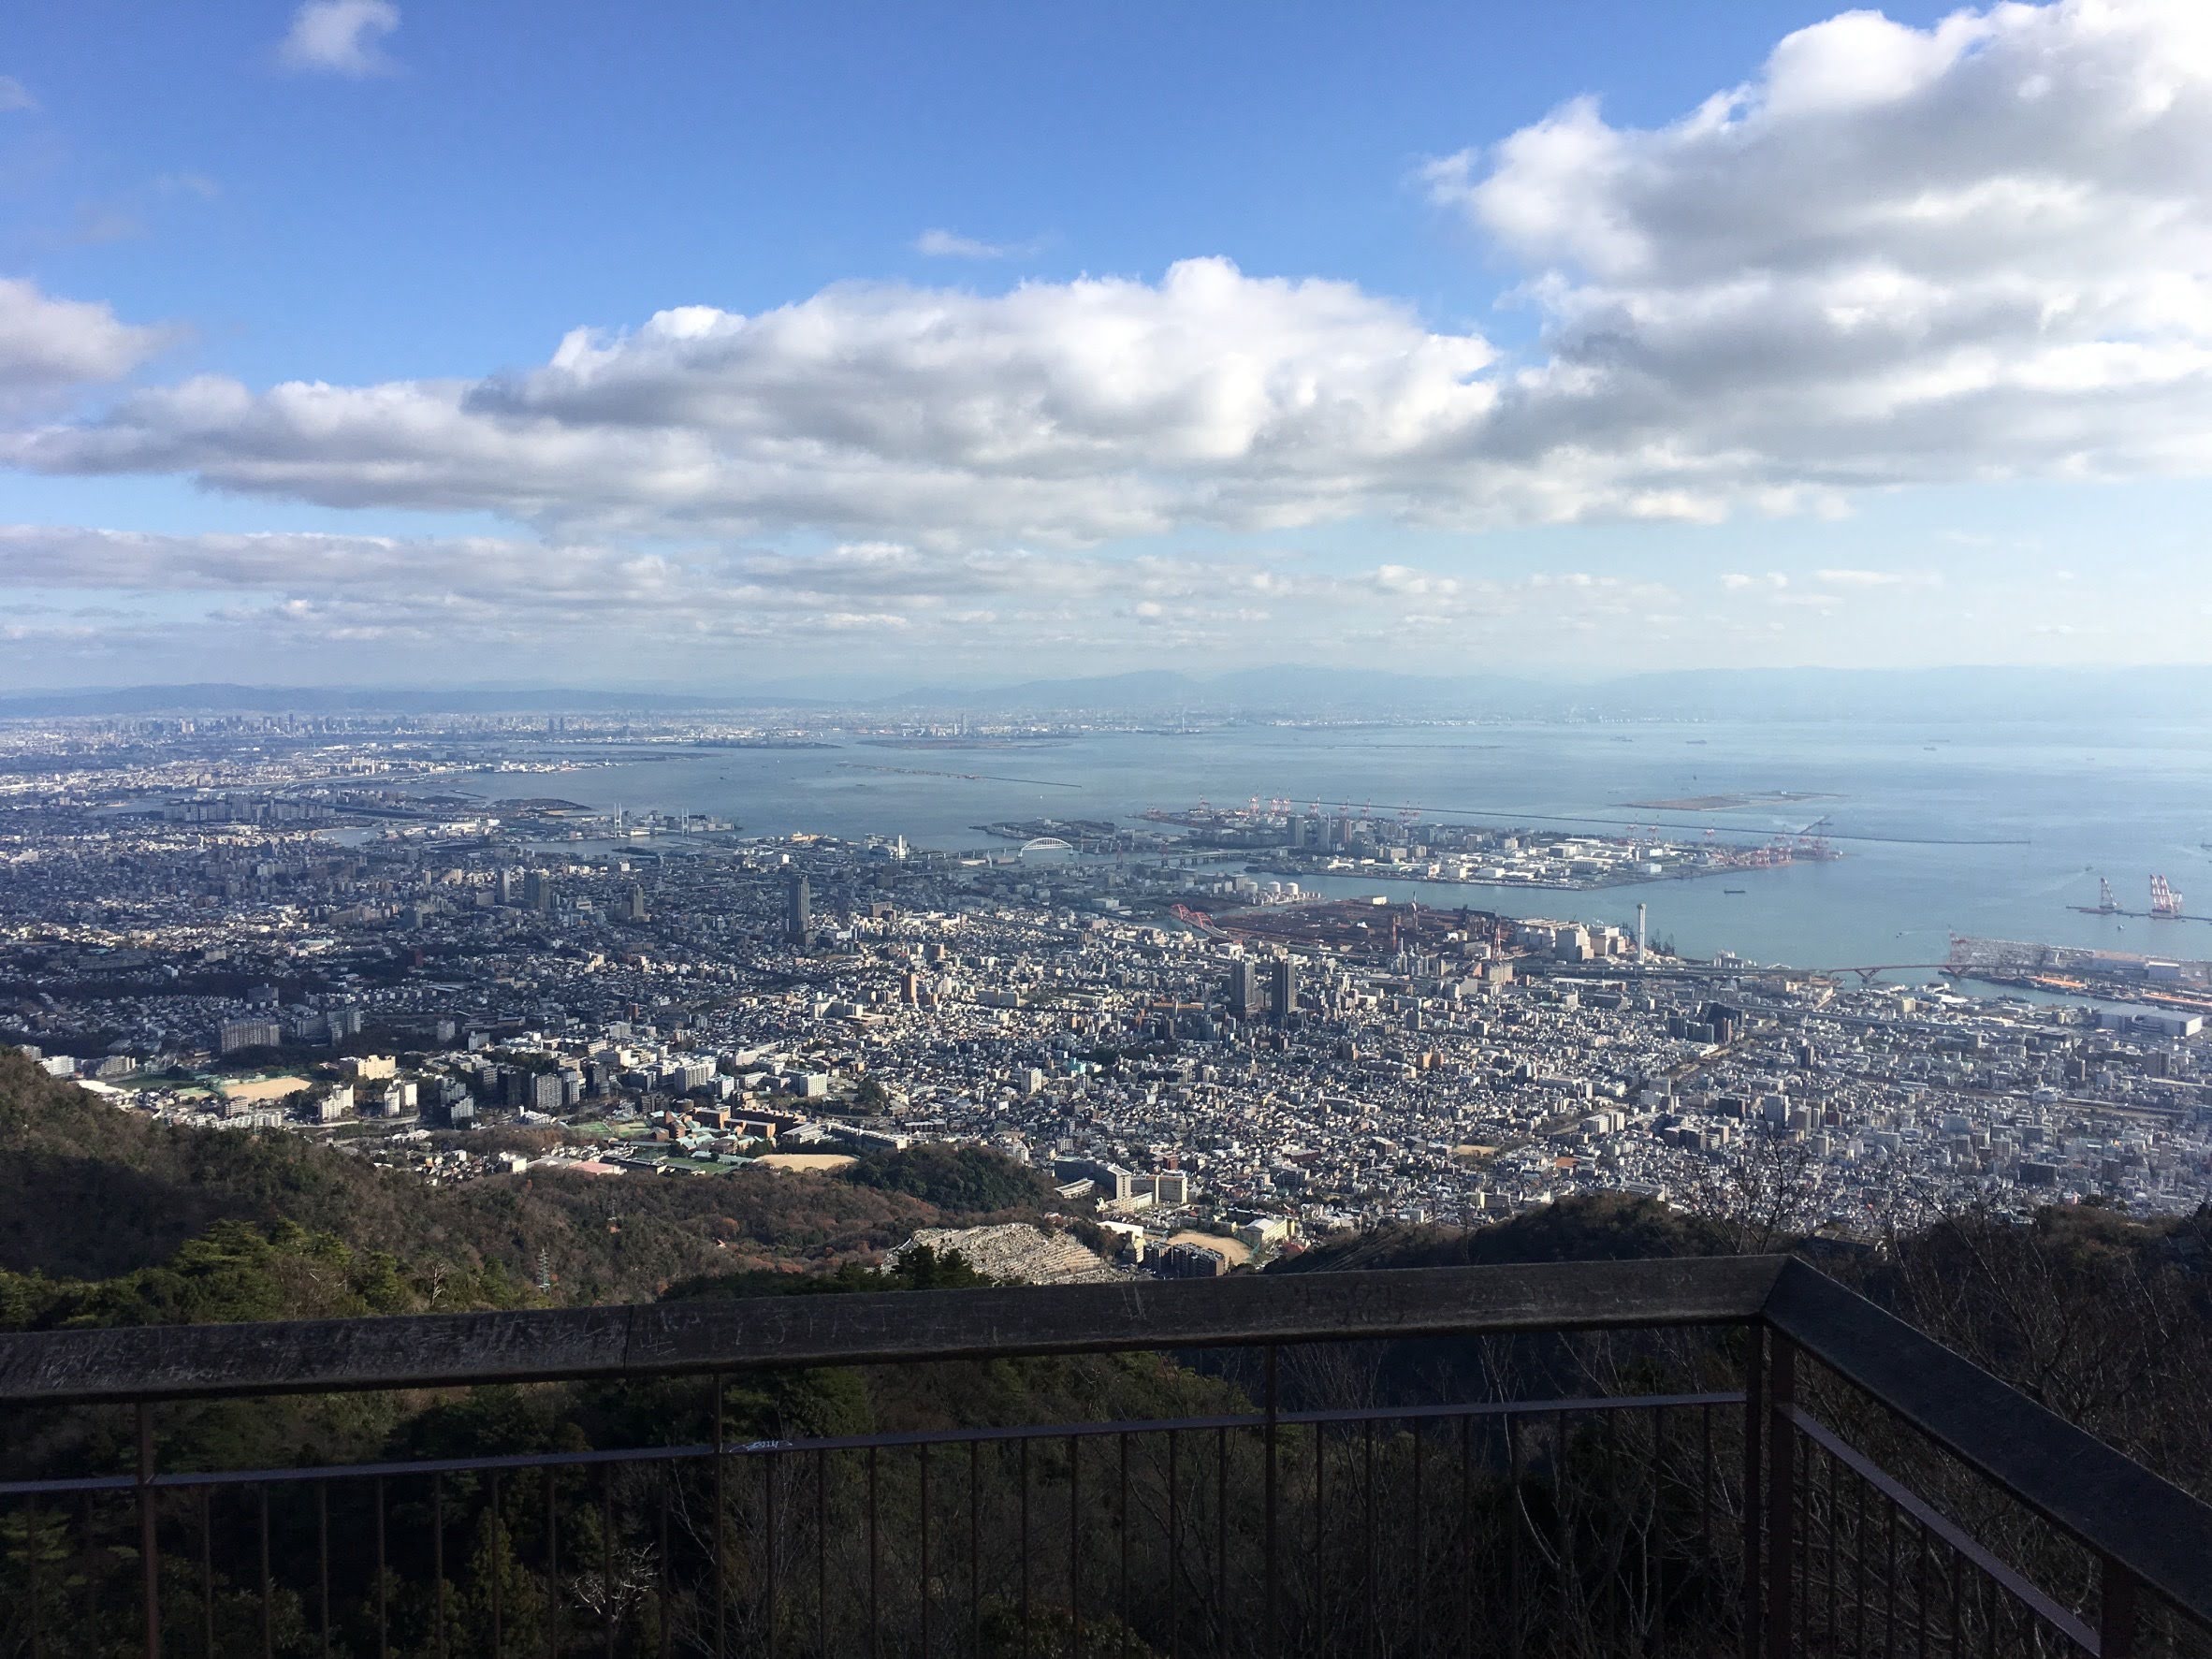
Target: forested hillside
1610, 1227
89, 1193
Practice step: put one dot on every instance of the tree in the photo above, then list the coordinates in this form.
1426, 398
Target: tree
1764, 1193
499, 1607
954, 1178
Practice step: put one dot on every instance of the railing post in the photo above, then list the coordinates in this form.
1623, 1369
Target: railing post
1755, 1396
2116, 1610
1781, 1507
1271, 1630
148, 1544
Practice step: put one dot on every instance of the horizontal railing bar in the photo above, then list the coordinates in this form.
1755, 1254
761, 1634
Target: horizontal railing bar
1932, 1520
329, 1356
2101, 1497
82, 1483
657, 1454
1354, 1414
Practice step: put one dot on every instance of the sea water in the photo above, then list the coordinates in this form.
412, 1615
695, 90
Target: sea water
1987, 830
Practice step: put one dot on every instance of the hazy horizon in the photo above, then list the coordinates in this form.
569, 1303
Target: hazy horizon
2157, 695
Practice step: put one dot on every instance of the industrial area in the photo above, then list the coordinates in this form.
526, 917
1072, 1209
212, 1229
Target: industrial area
1338, 838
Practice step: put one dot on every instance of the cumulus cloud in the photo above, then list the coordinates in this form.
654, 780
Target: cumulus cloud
1977, 250
49, 344
1896, 254
1066, 413
340, 37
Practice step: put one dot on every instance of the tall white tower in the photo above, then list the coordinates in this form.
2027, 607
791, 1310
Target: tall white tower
1640, 935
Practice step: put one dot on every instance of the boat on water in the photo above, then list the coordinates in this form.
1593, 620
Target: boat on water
1737, 891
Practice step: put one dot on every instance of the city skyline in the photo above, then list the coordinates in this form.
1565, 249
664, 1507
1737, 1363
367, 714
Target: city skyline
1000, 346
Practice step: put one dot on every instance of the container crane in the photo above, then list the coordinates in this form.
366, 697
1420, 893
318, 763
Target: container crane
2164, 902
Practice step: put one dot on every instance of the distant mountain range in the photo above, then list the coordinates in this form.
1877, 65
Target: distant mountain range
1282, 691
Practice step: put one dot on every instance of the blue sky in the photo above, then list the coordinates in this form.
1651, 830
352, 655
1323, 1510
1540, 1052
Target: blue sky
1895, 354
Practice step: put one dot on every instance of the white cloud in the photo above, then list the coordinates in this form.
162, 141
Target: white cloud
187, 184
950, 244
1057, 412
15, 96
1977, 250
49, 344
340, 37
1418, 584
999, 606
1880, 578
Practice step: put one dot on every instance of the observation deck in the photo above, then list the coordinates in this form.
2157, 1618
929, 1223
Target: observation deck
1731, 1455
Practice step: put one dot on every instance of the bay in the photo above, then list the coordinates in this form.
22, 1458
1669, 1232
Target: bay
1992, 830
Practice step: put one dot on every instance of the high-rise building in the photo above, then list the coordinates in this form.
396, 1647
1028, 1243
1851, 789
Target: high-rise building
634, 904
798, 910
1244, 998
1282, 991
537, 893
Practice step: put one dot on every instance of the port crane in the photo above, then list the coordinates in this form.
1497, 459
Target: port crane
2165, 904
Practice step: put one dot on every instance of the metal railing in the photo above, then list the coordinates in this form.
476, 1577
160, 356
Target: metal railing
1815, 1478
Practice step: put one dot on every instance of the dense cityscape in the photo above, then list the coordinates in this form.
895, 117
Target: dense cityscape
278, 926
